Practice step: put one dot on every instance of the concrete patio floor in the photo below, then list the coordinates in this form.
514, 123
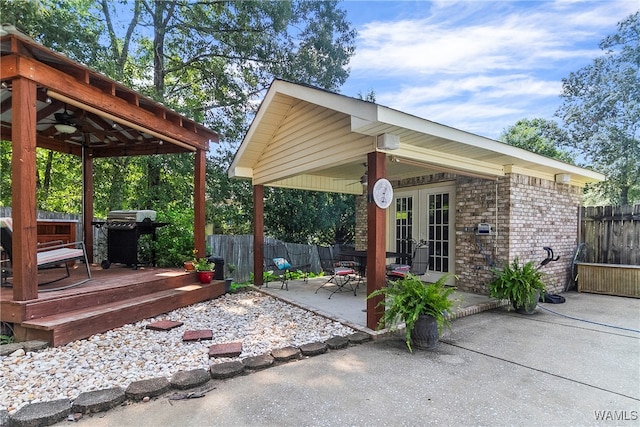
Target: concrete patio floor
351, 310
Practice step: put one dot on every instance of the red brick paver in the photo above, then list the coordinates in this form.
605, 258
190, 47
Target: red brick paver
232, 349
203, 334
164, 325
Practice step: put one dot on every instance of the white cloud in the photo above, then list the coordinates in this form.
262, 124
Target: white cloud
476, 65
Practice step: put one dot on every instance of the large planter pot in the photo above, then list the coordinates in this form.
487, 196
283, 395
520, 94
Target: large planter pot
528, 308
425, 332
205, 277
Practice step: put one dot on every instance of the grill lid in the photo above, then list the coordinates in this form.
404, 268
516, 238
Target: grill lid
131, 216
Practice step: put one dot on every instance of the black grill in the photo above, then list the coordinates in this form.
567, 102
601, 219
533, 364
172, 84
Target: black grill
123, 238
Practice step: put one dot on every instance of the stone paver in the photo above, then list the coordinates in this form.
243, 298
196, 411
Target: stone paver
98, 400
41, 413
183, 380
151, 387
359, 338
336, 343
313, 349
258, 362
226, 370
286, 353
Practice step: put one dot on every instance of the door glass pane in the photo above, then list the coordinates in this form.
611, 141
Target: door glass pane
438, 215
404, 225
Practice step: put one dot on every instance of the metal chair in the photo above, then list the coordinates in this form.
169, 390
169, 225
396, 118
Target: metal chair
418, 267
342, 273
278, 263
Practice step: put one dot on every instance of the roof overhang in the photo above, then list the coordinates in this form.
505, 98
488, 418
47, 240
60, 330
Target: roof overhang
308, 138
110, 119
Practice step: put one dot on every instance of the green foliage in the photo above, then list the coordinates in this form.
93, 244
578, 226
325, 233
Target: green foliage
539, 136
309, 217
174, 242
406, 299
601, 111
210, 61
203, 264
42, 19
6, 339
517, 283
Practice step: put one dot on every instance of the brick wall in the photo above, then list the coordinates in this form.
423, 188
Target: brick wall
531, 213
543, 213
476, 254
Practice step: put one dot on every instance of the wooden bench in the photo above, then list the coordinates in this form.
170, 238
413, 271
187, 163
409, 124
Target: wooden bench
49, 254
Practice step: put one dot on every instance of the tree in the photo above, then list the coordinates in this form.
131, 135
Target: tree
539, 136
601, 110
209, 60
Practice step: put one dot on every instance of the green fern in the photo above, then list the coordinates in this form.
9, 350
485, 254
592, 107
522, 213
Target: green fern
406, 299
517, 283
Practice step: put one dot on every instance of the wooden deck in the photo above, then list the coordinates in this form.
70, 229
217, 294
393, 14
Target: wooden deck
112, 298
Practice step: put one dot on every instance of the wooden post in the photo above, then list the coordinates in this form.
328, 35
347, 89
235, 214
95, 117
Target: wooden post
23, 192
87, 201
198, 202
376, 240
258, 234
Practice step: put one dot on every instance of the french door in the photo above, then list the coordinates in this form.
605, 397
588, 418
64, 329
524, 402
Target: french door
426, 214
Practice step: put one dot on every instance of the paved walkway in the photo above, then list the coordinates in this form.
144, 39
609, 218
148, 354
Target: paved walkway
580, 366
351, 310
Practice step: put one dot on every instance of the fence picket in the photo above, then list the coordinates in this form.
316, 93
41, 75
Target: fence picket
612, 234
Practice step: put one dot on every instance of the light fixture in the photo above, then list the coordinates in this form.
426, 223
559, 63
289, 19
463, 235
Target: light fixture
65, 128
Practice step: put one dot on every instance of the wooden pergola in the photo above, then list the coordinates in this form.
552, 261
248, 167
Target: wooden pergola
42, 89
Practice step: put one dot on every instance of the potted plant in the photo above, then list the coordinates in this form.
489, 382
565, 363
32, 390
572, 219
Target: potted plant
520, 284
229, 280
190, 265
423, 307
204, 268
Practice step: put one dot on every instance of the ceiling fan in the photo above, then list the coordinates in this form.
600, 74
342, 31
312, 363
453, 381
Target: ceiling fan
65, 122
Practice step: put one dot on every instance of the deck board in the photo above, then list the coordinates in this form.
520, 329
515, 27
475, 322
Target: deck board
112, 298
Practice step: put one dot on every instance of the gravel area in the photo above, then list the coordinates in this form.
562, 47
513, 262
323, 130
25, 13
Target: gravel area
132, 352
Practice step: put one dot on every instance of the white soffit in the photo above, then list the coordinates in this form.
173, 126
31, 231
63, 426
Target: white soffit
420, 140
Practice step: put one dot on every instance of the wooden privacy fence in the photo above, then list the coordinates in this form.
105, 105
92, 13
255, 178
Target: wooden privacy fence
238, 251
612, 234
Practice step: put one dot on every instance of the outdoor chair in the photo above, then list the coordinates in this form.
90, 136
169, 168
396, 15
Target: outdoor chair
278, 262
49, 254
341, 273
418, 266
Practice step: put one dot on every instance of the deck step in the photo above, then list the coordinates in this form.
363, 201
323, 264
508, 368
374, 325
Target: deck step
60, 329
88, 297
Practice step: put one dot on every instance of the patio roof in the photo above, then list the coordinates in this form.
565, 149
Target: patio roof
307, 138
110, 119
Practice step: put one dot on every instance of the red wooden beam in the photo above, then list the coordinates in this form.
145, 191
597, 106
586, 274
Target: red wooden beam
23, 194
376, 240
258, 234
198, 202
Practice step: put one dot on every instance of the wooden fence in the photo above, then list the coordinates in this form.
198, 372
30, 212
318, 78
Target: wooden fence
238, 251
612, 234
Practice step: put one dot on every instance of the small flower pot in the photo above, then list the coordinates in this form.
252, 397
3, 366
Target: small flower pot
188, 266
227, 284
205, 277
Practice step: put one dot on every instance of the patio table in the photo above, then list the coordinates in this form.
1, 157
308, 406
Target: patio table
360, 257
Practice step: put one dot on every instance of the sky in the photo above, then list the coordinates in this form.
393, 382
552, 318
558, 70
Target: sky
478, 66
